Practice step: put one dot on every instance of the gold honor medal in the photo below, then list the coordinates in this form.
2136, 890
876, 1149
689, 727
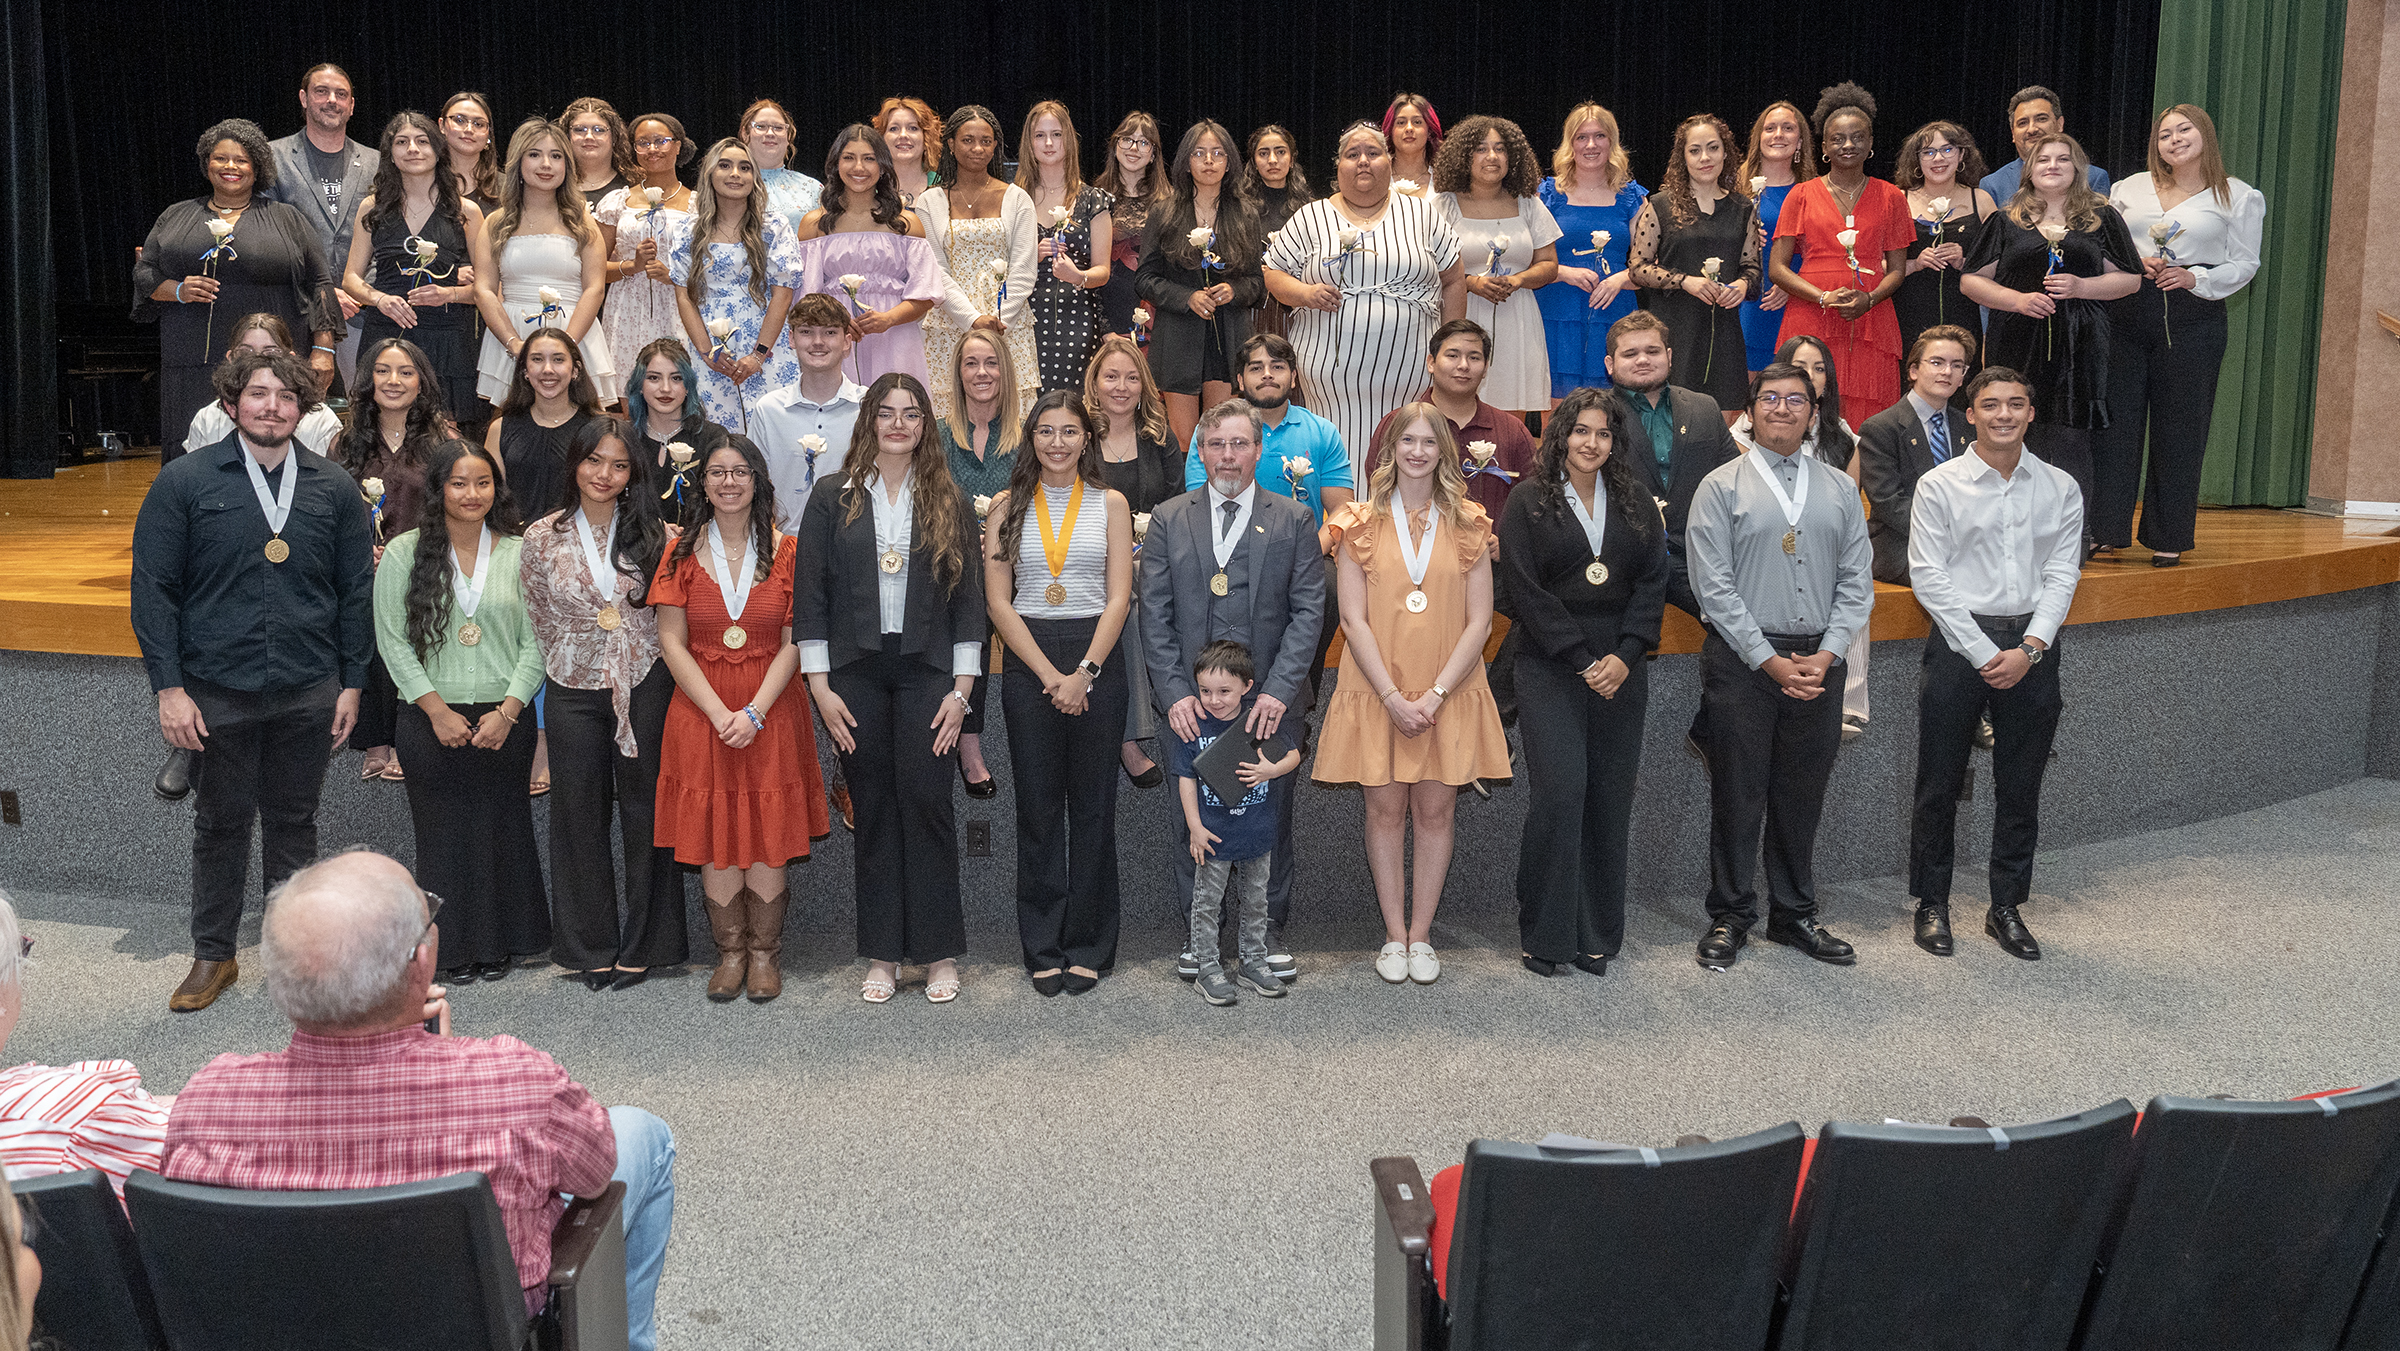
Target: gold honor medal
892, 561
1791, 541
1416, 602
469, 633
1219, 584
610, 618
1596, 572
277, 550
1055, 593
735, 638
1055, 542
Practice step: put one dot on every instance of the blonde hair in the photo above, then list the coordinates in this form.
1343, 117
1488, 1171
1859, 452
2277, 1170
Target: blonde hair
1804, 155
704, 222
1008, 433
1449, 479
568, 198
1029, 174
1150, 415
1562, 161
2082, 205
2212, 159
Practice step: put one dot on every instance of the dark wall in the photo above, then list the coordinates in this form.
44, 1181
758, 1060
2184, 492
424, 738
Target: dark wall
133, 83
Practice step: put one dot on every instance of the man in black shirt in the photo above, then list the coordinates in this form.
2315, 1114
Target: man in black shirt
253, 576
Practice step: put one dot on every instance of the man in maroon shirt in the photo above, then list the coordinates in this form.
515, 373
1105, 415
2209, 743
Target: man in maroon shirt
366, 1097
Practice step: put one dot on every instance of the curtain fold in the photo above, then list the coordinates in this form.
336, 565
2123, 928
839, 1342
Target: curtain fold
28, 317
2269, 72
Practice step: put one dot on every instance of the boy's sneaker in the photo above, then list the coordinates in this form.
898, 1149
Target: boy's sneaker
1279, 957
1216, 989
1187, 965
1257, 976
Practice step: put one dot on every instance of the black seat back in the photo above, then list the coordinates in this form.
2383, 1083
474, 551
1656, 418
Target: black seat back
421, 1264
1946, 1239
2248, 1224
2375, 1323
1654, 1248
95, 1295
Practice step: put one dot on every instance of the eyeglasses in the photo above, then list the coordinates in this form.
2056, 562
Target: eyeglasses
1938, 152
465, 123
768, 128
1795, 402
1206, 156
737, 474
911, 416
1227, 443
589, 129
433, 907
654, 143
1134, 142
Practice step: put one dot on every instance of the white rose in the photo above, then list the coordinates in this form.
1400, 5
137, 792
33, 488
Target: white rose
2161, 230
1709, 267
720, 329
1848, 239
426, 251
1295, 468
373, 488
1348, 240
983, 506
1201, 237
1758, 184
851, 281
679, 454
653, 196
548, 296
1000, 268
1600, 240
1940, 207
813, 444
1482, 451
220, 228
1141, 314
1141, 524
2053, 231
1404, 185
1060, 215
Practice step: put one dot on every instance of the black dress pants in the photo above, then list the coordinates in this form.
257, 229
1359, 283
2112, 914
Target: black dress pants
1770, 757
588, 776
264, 758
1582, 756
378, 707
475, 841
1068, 890
2165, 351
1951, 697
907, 847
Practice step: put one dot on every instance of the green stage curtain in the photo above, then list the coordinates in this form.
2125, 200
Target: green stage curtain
2269, 72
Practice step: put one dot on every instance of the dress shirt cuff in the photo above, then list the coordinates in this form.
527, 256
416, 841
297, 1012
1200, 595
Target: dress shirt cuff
2045, 628
2200, 286
1981, 648
966, 659
816, 656
1839, 643
354, 675
166, 673
1755, 650
1632, 652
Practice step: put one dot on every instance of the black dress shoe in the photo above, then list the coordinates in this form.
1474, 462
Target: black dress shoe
2003, 923
1541, 968
459, 975
595, 981
1077, 983
1152, 777
1933, 929
493, 970
987, 787
626, 980
1049, 986
1593, 963
1721, 943
174, 782
1810, 937
2165, 560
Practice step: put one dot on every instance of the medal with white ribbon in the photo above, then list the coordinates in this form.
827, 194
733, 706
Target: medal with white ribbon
610, 582
277, 505
1419, 557
888, 555
1595, 527
1790, 502
469, 590
736, 588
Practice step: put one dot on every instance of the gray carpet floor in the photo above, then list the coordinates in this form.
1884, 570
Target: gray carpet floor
1134, 1169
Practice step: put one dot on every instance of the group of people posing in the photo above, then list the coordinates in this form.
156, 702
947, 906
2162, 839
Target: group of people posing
769, 427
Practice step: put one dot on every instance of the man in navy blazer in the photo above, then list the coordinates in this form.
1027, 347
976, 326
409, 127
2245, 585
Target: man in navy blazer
324, 173
1679, 435
1228, 560
1899, 444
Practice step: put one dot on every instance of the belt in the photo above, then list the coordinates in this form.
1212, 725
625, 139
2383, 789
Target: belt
1805, 642
2002, 621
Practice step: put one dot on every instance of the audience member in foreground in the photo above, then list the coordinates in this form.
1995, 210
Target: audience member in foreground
365, 1096
62, 1118
1229, 840
1994, 553
24, 1274
270, 690
1781, 565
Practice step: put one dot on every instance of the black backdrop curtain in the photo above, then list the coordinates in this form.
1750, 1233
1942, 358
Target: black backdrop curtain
28, 335
136, 80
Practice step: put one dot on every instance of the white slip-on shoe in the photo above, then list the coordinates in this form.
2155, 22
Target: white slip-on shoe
1392, 963
1423, 967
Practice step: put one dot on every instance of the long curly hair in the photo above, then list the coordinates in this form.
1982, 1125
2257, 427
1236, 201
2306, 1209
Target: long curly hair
1908, 172
939, 512
390, 193
1848, 96
1150, 415
1682, 204
2083, 206
889, 210
620, 140
1632, 506
928, 121
752, 229
1804, 155
571, 213
1453, 169
361, 438
244, 133
1449, 479
1024, 481
698, 511
1169, 231
640, 534
429, 598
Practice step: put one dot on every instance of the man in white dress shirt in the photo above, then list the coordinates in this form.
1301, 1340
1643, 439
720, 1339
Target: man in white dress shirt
1994, 551
823, 404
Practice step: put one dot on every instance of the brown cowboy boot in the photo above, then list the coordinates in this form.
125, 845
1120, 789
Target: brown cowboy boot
205, 982
766, 945
725, 924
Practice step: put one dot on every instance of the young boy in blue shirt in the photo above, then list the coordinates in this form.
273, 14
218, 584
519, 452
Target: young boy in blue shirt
1233, 845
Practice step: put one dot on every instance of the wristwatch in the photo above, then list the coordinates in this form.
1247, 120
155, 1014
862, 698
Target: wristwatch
762, 349
2033, 655
1440, 693
1090, 668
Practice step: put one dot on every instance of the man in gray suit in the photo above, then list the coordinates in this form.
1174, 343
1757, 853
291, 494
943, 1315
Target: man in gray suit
324, 173
1229, 561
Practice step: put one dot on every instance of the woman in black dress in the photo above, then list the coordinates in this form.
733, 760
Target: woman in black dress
1140, 459
548, 401
416, 248
1074, 222
217, 257
1277, 189
1136, 184
1938, 167
1200, 275
1585, 559
2047, 264
1697, 258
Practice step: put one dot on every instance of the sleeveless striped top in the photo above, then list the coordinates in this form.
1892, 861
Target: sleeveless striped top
1086, 574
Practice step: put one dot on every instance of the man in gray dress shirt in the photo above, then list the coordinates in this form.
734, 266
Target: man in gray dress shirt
1777, 546
324, 173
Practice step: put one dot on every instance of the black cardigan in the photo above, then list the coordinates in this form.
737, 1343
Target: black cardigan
834, 576
1543, 552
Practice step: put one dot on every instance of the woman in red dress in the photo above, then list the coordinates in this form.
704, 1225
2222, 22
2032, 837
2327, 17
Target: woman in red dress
1841, 250
739, 792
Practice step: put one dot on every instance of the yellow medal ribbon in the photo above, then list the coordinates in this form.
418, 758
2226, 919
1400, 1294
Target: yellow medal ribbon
1055, 542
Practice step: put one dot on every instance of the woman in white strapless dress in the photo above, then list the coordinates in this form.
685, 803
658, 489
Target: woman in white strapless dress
546, 239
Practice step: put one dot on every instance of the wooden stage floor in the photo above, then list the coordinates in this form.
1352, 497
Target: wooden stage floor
66, 557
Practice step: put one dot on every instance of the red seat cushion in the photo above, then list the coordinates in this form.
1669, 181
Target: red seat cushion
1444, 1195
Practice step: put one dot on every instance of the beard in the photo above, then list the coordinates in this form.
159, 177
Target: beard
262, 439
1255, 401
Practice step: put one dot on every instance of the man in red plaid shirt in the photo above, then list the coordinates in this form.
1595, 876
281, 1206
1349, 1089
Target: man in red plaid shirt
366, 1097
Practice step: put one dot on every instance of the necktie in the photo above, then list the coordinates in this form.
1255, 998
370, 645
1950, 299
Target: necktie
1937, 435
1227, 527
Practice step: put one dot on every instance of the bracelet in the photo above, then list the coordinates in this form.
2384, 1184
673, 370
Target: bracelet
505, 714
755, 720
1389, 693
962, 700
319, 347
1439, 693
179, 293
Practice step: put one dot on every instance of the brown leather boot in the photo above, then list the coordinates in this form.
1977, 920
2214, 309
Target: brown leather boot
727, 924
203, 984
766, 945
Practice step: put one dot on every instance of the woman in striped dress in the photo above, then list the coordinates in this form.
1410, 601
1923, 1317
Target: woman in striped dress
1368, 274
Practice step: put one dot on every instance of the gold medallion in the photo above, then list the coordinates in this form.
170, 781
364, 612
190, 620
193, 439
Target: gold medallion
892, 561
277, 550
1219, 584
735, 638
610, 618
1596, 572
1791, 541
470, 633
1416, 602
1055, 593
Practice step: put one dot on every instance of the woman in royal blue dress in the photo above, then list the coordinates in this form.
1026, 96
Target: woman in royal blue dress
1592, 196
1779, 159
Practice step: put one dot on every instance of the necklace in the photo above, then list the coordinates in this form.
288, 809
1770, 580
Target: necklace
1847, 197
233, 210
970, 205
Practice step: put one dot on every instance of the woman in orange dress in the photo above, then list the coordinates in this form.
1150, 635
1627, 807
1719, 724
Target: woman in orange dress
739, 792
1838, 289
1412, 720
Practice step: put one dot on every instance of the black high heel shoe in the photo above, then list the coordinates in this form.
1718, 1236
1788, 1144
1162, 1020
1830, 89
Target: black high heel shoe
988, 788
626, 980
1596, 964
1541, 968
1048, 986
595, 980
1078, 983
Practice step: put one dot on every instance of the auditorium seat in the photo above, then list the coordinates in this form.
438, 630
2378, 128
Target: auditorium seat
1661, 1249
420, 1264
2247, 1224
2375, 1323
95, 1295
1942, 1238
